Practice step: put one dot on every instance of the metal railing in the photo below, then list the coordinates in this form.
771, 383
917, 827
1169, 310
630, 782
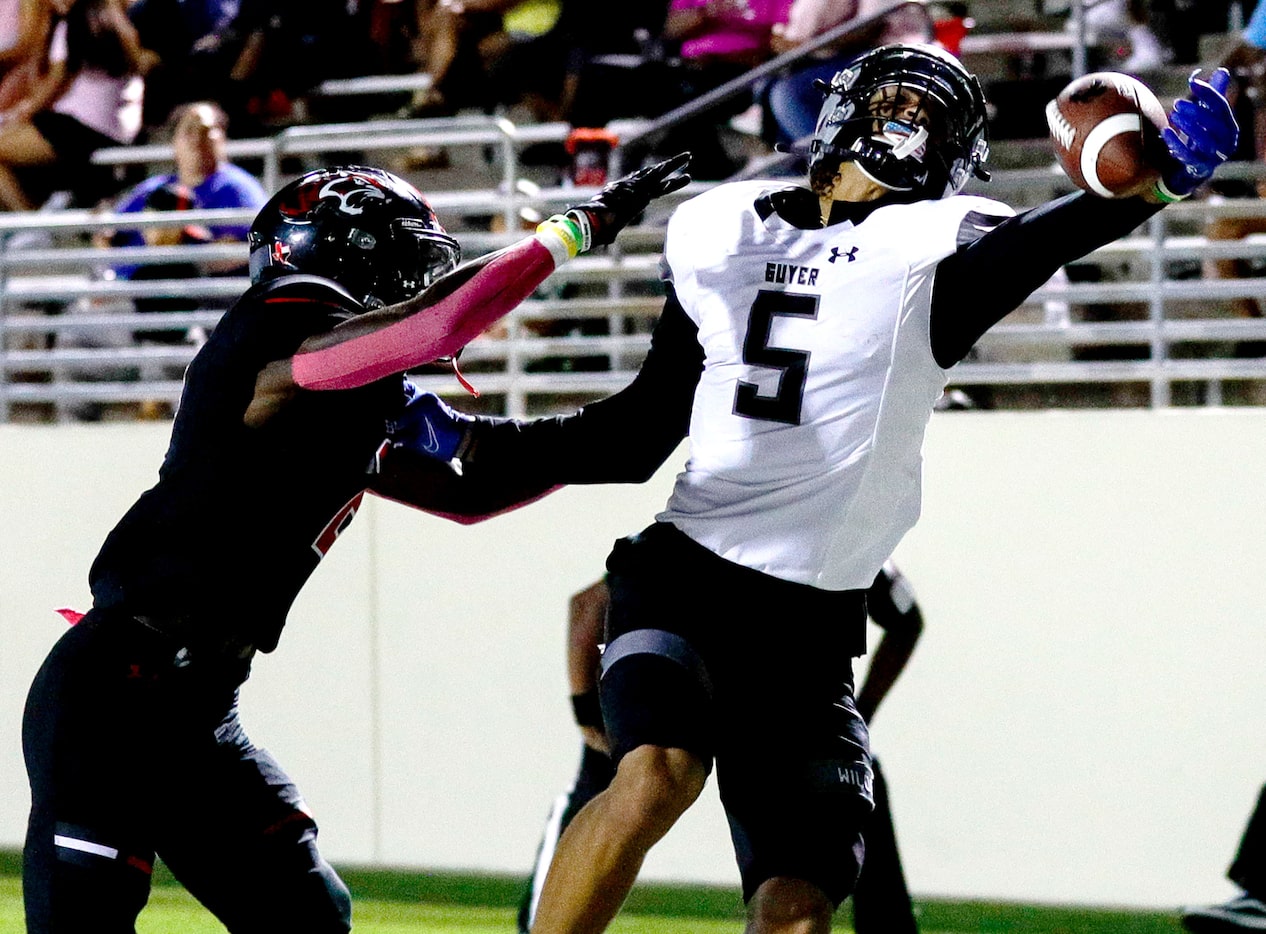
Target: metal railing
69, 332
67, 335
378, 136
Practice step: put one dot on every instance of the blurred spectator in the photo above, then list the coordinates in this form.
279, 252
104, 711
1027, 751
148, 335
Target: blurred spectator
595, 64
1247, 62
197, 44
203, 178
950, 25
89, 98
199, 143
730, 36
171, 196
566, 73
24, 28
718, 40
288, 47
460, 40
1126, 23
392, 32
794, 100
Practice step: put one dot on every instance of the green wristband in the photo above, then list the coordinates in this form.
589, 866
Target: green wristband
561, 230
1161, 191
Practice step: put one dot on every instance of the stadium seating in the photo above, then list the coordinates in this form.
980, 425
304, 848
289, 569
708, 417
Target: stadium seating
1136, 323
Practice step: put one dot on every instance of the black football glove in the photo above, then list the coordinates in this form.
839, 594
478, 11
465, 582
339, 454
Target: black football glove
612, 209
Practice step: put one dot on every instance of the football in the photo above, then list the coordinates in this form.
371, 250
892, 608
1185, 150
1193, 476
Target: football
1106, 131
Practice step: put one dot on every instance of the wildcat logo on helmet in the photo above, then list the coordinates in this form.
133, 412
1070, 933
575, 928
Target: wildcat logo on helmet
352, 191
370, 231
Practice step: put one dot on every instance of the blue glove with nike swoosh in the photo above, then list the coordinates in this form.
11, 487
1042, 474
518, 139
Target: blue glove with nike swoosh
1202, 134
429, 426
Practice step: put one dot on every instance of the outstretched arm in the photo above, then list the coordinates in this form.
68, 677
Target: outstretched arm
432, 486
621, 439
457, 308
1018, 255
986, 280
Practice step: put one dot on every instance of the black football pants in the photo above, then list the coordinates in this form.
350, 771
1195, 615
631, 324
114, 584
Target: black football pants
1249, 869
133, 748
881, 901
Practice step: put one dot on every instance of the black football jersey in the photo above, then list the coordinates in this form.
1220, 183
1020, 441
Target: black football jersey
218, 549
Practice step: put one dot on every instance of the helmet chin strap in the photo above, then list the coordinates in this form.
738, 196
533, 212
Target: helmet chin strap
861, 167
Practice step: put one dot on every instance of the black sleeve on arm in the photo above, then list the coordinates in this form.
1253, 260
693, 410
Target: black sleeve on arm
427, 484
988, 278
621, 439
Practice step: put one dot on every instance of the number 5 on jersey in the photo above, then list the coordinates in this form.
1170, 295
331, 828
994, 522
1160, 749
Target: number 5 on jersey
793, 365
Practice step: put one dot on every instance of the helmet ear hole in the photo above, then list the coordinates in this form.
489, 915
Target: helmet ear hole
366, 229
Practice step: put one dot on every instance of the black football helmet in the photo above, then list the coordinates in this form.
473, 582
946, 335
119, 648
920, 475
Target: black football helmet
370, 231
911, 117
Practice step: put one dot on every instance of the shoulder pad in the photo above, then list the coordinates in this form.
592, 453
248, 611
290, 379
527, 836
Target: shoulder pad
302, 287
797, 206
975, 224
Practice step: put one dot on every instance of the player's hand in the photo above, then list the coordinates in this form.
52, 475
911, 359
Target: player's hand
612, 209
429, 426
1202, 134
595, 739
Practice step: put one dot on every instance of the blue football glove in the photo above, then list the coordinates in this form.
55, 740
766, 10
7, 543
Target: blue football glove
429, 426
1202, 134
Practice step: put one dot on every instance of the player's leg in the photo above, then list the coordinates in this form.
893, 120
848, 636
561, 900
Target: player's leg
89, 740
1249, 869
794, 766
596, 772
248, 850
881, 901
797, 830
601, 853
656, 703
1246, 912
789, 906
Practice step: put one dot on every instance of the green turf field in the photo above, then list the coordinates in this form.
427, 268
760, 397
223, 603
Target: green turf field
414, 903
171, 911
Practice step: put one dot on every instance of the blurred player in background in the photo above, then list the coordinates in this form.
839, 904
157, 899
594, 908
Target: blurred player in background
132, 739
805, 339
1247, 911
881, 902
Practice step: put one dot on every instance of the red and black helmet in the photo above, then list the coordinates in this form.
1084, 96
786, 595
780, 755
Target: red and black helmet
368, 230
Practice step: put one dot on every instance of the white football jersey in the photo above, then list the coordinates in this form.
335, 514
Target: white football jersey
818, 383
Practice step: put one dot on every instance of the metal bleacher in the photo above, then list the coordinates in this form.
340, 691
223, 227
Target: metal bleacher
1137, 323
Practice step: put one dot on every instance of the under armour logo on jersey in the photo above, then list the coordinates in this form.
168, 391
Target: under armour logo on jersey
851, 255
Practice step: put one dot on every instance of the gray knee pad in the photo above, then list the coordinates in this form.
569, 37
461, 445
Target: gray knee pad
656, 690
